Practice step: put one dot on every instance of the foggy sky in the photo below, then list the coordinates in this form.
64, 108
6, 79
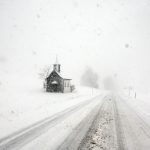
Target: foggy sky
113, 37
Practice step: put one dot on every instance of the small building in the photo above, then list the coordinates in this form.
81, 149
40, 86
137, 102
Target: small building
55, 82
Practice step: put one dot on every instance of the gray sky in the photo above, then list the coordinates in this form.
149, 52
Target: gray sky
110, 36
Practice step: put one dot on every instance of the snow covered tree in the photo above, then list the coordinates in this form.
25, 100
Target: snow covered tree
89, 78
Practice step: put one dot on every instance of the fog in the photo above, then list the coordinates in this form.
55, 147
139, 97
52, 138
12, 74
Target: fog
112, 37
89, 78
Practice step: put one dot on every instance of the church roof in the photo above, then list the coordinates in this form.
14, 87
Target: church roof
62, 75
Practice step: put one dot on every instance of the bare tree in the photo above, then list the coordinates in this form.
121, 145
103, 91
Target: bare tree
44, 73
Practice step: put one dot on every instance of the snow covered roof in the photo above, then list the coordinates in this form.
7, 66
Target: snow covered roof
62, 75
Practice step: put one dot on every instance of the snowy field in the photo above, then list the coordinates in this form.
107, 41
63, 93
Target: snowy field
87, 117
70, 115
21, 108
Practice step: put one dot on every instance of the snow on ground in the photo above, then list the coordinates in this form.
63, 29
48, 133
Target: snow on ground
102, 134
24, 106
141, 105
135, 122
69, 126
22, 99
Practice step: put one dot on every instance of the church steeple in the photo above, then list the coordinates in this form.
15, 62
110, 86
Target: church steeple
56, 66
56, 60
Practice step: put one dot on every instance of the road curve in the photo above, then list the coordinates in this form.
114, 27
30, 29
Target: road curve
22, 137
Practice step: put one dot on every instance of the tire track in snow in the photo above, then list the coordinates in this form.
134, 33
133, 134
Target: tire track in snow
119, 130
145, 126
73, 141
136, 128
86, 142
20, 138
106, 123
101, 133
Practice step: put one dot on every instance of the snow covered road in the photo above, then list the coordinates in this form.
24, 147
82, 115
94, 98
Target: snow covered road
105, 130
107, 121
19, 139
135, 130
117, 127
